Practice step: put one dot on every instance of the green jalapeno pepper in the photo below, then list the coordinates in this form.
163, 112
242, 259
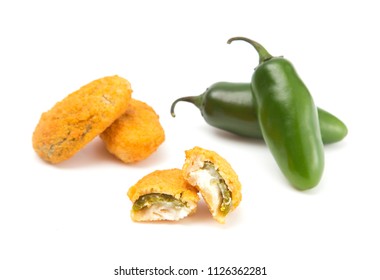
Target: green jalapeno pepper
231, 107
288, 118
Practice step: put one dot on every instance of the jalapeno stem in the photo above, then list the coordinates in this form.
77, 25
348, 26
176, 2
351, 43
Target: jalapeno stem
196, 100
264, 55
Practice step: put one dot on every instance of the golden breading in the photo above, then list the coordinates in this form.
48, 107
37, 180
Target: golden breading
81, 116
209, 173
167, 182
136, 134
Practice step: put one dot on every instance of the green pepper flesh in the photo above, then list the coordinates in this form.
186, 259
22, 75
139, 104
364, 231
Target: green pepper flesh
154, 198
226, 203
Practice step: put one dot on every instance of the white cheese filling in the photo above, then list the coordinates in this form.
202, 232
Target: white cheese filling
163, 211
208, 184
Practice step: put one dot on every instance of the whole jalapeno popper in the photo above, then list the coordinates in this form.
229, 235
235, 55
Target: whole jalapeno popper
81, 116
162, 195
136, 134
214, 177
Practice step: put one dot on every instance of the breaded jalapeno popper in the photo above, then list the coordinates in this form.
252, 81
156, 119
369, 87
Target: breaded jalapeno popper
214, 177
81, 116
136, 134
162, 195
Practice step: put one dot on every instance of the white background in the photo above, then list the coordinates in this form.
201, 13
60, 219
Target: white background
71, 221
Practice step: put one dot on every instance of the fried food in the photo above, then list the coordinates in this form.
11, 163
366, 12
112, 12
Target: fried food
214, 177
136, 134
81, 116
162, 195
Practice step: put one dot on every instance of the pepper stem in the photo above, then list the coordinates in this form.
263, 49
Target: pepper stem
196, 100
264, 55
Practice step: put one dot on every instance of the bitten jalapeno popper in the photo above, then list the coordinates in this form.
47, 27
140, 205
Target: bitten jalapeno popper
214, 177
162, 195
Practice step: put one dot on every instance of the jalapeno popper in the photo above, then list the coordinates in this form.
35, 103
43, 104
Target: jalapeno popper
162, 195
136, 134
81, 116
214, 177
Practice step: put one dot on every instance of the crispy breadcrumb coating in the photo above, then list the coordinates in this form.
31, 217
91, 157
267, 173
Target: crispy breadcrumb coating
136, 134
81, 116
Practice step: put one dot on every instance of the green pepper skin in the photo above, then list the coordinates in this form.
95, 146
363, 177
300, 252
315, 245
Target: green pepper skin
332, 129
288, 119
289, 122
227, 106
231, 107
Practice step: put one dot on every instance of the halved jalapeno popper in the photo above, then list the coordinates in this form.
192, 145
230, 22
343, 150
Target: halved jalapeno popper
162, 195
214, 177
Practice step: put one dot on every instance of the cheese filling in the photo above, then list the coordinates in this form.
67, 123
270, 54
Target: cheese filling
214, 187
163, 211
